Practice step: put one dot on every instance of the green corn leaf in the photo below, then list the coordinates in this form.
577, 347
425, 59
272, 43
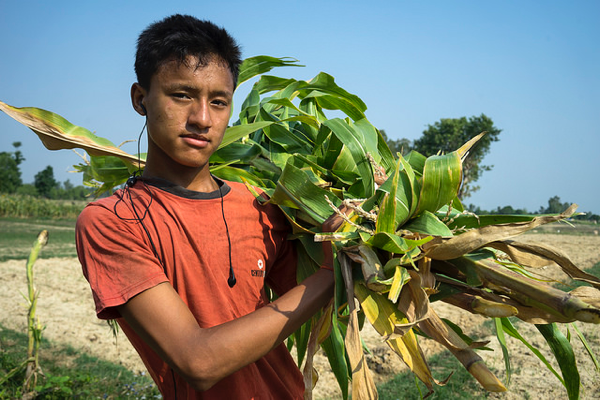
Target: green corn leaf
469, 221
371, 136
249, 108
411, 189
291, 140
387, 158
313, 174
386, 218
324, 90
355, 143
335, 351
306, 267
238, 175
406, 194
295, 189
508, 328
502, 340
563, 352
301, 337
587, 347
236, 132
236, 152
332, 102
441, 180
429, 224
313, 250
104, 172
108, 168
416, 161
281, 101
254, 66
345, 166
394, 243
269, 83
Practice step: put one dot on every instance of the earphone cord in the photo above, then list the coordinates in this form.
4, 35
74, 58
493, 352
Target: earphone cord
139, 170
129, 184
231, 280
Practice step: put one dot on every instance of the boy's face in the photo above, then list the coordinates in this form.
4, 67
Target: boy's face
188, 110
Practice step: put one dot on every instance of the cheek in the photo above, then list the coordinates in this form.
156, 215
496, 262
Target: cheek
165, 120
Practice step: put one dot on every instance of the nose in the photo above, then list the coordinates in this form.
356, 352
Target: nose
200, 115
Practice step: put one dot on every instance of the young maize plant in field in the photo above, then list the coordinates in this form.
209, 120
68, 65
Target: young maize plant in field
403, 239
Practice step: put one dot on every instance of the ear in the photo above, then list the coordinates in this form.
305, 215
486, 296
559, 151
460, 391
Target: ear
138, 93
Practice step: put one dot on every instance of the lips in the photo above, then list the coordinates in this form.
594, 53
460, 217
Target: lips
199, 141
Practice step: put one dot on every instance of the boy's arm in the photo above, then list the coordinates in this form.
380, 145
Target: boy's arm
205, 356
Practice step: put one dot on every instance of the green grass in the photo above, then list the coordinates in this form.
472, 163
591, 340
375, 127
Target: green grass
69, 373
595, 270
18, 234
572, 283
573, 227
461, 384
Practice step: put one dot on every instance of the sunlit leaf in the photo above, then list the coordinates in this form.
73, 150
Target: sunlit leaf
56, 133
254, 66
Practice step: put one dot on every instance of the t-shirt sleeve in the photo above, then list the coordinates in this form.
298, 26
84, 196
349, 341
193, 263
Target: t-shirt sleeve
116, 259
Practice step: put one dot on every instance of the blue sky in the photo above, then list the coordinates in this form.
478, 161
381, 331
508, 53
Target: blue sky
531, 66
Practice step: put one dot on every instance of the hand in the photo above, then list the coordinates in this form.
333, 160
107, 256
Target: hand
336, 220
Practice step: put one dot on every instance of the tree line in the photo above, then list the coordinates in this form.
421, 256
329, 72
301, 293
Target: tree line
44, 184
555, 206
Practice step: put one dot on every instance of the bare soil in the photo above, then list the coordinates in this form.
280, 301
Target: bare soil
66, 309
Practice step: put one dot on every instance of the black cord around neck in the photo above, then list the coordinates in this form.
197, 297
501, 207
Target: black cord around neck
231, 281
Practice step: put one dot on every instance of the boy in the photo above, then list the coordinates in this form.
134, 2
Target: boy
179, 257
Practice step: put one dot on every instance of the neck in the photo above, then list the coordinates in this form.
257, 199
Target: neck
188, 178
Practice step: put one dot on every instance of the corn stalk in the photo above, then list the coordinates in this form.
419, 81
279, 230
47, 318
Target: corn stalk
31, 364
405, 240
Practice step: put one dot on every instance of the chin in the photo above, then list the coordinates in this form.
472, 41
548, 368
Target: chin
192, 164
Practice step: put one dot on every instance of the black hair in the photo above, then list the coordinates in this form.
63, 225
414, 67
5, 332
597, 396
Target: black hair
179, 36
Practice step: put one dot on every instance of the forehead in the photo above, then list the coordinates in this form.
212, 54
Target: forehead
192, 68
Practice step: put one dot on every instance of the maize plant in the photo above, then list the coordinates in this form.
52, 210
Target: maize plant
403, 239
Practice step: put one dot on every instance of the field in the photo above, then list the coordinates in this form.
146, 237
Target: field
66, 309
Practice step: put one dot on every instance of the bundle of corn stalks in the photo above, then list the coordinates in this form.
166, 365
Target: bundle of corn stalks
403, 238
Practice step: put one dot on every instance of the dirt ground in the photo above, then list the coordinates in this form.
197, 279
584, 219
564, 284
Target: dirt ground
66, 309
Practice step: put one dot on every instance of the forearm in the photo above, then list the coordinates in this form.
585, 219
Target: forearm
205, 356
242, 341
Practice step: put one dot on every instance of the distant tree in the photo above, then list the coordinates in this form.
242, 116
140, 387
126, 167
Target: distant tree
68, 191
10, 174
18, 156
44, 182
506, 210
476, 209
449, 134
27, 189
555, 206
509, 210
402, 146
67, 185
589, 216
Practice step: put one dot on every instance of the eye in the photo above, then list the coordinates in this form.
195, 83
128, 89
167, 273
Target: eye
220, 103
180, 95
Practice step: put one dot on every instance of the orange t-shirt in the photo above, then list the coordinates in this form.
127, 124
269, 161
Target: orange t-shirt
190, 236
